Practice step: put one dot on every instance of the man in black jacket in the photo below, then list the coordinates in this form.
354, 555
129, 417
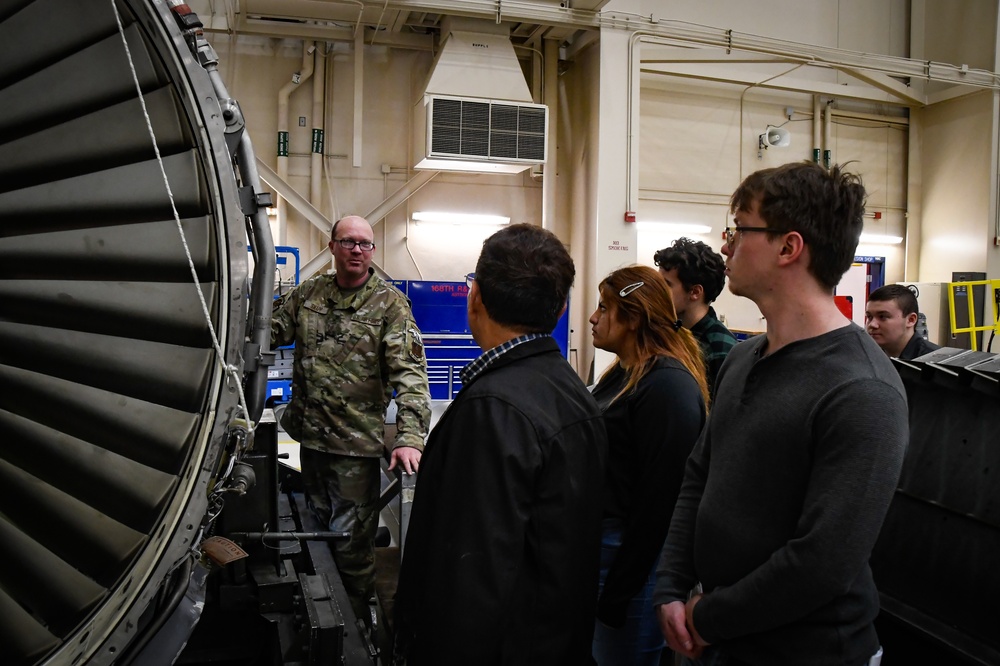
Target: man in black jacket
891, 319
501, 557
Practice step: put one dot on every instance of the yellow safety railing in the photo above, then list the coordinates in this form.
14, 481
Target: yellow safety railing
993, 288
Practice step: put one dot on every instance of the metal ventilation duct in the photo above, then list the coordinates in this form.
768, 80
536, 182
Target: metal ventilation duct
476, 112
114, 408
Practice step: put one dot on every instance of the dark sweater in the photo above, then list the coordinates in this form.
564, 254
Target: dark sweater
916, 347
783, 499
651, 432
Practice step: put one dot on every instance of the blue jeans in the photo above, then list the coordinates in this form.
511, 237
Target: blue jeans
639, 642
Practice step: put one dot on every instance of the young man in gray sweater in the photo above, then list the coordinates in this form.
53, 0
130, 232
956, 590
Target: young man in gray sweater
786, 490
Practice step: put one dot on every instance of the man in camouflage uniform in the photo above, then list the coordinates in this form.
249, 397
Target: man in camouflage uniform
355, 342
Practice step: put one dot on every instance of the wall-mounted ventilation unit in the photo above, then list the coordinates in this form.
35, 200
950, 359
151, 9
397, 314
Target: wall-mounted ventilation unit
467, 134
476, 113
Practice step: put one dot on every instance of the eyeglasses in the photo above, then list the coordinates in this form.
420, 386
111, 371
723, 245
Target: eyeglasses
731, 232
348, 244
469, 279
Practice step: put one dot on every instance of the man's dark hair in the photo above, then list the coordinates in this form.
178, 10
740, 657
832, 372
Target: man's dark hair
524, 276
901, 294
825, 207
696, 263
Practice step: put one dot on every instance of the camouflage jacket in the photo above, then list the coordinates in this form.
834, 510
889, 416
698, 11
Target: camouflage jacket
351, 350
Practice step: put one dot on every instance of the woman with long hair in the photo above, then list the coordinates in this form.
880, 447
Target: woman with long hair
654, 399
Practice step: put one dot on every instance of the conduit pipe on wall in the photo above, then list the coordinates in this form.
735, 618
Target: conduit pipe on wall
359, 96
817, 129
537, 67
319, 123
635, 41
551, 93
537, 96
827, 141
283, 95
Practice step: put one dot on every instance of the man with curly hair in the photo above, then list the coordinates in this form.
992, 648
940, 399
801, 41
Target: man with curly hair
696, 275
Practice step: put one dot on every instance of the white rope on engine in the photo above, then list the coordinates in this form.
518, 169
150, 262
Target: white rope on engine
231, 370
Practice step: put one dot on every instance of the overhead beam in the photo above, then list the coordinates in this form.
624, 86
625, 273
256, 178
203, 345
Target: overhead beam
408, 189
724, 65
324, 33
296, 200
322, 260
887, 84
785, 84
589, 15
399, 21
949, 93
583, 13
676, 37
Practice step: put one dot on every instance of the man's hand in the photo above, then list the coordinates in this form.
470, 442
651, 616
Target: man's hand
406, 457
689, 616
673, 624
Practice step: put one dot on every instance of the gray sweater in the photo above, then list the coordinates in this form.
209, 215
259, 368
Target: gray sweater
783, 499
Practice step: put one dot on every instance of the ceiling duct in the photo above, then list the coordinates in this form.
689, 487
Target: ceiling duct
476, 113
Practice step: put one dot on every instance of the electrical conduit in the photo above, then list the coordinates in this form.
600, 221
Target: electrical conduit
282, 163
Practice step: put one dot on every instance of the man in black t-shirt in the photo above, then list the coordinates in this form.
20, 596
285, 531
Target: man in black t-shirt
891, 319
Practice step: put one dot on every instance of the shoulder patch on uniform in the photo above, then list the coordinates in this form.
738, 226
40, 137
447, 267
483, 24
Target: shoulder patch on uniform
414, 344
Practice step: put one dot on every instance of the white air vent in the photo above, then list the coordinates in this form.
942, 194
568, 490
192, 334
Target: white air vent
467, 134
477, 113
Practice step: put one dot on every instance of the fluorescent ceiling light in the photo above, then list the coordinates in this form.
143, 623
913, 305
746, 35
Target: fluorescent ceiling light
458, 218
878, 239
675, 227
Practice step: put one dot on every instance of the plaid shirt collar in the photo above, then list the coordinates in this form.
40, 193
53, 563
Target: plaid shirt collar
485, 359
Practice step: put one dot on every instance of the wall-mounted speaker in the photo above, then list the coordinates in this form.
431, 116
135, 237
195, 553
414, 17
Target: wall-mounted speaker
777, 137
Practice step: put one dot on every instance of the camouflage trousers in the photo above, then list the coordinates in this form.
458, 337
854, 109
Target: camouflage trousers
343, 493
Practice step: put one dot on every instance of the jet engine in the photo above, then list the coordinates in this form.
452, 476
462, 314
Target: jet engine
133, 345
